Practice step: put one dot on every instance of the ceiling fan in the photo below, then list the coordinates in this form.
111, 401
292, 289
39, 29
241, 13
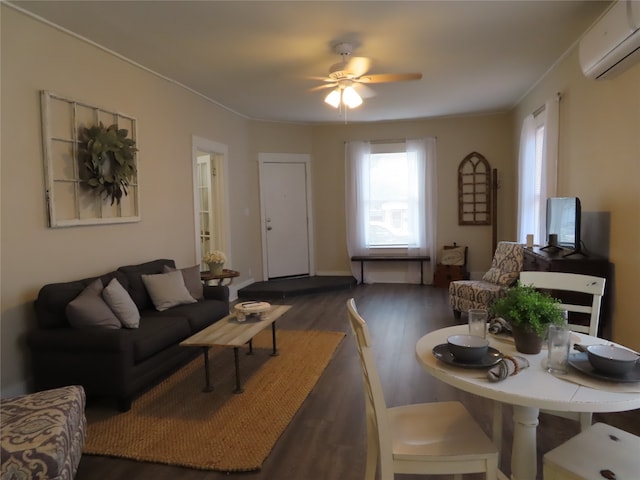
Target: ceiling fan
351, 74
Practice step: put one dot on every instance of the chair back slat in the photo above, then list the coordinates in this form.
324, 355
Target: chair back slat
572, 282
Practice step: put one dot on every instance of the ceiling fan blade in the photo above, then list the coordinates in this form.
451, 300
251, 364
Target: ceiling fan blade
358, 66
364, 91
322, 87
389, 77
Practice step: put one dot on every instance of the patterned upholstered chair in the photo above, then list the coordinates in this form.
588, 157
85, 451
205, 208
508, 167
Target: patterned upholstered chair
43, 434
505, 270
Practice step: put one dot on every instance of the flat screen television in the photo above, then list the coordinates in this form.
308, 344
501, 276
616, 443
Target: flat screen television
563, 220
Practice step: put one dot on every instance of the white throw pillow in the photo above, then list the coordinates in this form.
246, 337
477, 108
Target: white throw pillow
89, 310
167, 290
121, 303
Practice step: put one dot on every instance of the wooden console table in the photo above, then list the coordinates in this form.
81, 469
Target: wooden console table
554, 260
391, 258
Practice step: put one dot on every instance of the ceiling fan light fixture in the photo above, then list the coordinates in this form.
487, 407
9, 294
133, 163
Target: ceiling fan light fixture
333, 98
351, 98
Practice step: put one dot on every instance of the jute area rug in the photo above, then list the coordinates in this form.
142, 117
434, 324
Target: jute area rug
176, 423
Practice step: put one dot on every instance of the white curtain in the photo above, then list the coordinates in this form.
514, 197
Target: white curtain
527, 190
356, 154
549, 187
422, 154
535, 186
422, 157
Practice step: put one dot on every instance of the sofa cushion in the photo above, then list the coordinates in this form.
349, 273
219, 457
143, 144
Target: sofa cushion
53, 299
167, 290
192, 281
200, 314
89, 310
136, 287
120, 303
157, 333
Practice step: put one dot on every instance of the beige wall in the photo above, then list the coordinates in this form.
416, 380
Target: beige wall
456, 138
599, 162
37, 57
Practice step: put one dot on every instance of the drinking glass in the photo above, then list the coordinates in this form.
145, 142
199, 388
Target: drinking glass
478, 322
558, 349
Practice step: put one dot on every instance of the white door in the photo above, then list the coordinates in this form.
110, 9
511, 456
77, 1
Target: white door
286, 217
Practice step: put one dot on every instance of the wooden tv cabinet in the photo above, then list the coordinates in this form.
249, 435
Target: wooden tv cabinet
554, 260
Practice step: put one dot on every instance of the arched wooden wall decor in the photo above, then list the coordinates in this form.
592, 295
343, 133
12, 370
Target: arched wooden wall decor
474, 190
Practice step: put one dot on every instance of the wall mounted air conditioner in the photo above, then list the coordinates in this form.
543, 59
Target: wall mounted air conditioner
612, 43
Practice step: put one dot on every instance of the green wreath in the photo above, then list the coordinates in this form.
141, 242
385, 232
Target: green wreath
109, 159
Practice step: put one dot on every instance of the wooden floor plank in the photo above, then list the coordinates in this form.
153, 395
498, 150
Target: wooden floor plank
326, 439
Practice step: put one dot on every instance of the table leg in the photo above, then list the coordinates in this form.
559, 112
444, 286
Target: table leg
239, 388
523, 454
273, 339
207, 380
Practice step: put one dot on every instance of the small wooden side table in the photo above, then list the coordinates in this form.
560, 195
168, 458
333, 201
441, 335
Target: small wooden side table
219, 278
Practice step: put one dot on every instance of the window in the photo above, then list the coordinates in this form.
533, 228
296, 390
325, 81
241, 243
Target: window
392, 201
537, 171
391, 198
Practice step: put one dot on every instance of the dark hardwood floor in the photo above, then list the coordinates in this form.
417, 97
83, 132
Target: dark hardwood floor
326, 440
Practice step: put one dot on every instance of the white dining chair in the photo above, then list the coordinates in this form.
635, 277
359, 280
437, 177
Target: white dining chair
582, 284
572, 282
597, 453
425, 438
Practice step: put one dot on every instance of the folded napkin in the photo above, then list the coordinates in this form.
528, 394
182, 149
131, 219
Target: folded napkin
509, 365
499, 325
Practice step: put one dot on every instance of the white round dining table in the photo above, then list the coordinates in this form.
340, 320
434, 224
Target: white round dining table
532, 389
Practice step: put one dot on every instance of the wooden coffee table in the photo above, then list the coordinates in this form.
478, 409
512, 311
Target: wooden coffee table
229, 332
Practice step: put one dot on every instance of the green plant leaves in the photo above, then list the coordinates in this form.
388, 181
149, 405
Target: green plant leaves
107, 149
525, 306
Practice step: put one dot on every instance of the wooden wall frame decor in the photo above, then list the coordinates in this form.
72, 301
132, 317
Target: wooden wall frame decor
69, 200
474, 190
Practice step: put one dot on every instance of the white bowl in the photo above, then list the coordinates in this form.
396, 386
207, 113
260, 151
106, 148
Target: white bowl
468, 348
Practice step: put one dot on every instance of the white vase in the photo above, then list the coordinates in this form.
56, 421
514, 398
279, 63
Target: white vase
216, 268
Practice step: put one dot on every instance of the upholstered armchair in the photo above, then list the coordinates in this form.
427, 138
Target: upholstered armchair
505, 269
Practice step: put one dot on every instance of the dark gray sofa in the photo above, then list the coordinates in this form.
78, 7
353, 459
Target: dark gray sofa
117, 363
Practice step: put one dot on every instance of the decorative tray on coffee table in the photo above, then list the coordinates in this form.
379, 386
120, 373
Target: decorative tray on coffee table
251, 310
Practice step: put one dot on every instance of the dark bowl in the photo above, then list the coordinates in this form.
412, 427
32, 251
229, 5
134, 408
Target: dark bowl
611, 360
468, 348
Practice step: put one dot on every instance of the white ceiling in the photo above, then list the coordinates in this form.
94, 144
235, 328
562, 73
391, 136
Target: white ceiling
256, 58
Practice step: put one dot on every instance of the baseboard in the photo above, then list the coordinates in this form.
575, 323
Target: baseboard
331, 273
233, 288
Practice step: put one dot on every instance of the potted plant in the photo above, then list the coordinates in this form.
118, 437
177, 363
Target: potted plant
529, 312
215, 260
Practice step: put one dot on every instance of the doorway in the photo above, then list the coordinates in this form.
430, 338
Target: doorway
210, 198
285, 198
